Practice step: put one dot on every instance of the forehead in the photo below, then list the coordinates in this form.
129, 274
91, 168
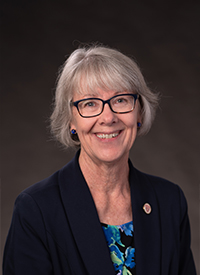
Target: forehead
92, 86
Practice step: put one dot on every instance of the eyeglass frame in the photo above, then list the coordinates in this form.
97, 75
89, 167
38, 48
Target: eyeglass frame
75, 103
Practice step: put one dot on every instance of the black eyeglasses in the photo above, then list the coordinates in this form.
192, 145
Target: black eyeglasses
119, 104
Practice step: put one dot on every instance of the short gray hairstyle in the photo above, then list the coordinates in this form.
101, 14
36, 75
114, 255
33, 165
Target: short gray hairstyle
93, 67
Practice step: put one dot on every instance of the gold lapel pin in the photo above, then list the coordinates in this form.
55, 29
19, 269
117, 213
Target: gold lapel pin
147, 208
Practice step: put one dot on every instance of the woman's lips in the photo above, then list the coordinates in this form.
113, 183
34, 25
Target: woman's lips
108, 136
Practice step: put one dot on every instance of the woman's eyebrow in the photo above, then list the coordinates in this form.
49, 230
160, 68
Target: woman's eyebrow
98, 95
90, 95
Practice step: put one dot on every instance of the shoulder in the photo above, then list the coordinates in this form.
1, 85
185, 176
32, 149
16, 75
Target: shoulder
163, 187
49, 187
45, 187
37, 200
46, 195
42, 195
168, 195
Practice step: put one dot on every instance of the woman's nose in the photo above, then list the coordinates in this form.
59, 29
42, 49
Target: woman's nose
107, 116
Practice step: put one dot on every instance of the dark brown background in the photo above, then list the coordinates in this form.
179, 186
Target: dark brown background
36, 37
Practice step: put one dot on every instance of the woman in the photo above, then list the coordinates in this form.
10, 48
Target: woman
98, 214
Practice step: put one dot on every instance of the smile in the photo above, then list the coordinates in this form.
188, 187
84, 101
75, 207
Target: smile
104, 136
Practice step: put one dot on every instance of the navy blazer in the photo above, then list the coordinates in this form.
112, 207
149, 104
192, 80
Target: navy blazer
56, 230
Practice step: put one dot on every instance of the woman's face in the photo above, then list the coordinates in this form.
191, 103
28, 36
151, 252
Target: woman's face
108, 137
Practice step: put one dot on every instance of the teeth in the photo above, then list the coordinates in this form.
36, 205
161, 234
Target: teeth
107, 136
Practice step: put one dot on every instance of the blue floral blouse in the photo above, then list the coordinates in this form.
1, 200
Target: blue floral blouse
120, 241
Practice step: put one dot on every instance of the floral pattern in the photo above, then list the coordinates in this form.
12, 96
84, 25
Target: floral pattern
120, 241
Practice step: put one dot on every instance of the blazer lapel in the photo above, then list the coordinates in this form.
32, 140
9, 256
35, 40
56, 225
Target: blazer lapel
84, 221
146, 226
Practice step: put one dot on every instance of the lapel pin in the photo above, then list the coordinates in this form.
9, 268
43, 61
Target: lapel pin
147, 208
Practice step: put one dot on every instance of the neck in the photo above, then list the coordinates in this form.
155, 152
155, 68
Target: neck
105, 177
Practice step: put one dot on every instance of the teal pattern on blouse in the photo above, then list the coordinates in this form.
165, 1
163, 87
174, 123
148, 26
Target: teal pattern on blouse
120, 241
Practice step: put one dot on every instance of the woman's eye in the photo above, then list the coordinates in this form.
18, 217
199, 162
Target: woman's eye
121, 100
88, 104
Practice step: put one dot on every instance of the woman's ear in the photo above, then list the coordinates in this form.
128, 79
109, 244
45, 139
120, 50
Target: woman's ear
72, 124
139, 117
73, 132
139, 114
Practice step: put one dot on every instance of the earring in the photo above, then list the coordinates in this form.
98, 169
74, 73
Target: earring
139, 124
73, 131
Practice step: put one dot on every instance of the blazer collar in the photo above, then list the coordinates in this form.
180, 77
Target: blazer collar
87, 230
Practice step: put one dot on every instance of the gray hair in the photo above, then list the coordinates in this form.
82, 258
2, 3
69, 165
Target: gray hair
95, 67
